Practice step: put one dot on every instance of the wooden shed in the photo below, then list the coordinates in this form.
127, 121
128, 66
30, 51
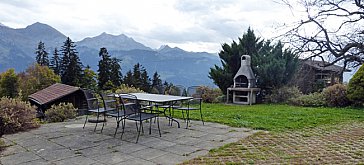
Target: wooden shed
56, 94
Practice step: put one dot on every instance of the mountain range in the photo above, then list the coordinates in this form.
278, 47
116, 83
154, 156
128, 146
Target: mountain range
175, 65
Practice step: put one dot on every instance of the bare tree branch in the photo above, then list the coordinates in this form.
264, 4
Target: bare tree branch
333, 28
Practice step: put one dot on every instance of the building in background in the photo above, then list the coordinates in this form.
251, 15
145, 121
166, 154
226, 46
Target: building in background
313, 75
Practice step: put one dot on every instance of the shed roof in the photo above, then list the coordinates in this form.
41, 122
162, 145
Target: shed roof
52, 93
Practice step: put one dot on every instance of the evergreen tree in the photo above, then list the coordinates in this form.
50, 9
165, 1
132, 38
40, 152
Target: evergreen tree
272, 65
115, 72
129, 79
144, 80
137, 76
89, 79
41, 55
55, 63
157, 83
109, 70
71, 67
104, 68
356, 87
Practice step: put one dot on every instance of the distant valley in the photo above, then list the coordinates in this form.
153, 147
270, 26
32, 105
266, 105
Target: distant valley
17, 47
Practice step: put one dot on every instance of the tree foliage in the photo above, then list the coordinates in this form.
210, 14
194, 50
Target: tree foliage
109, 71
355, 90
157, 84
89, 80
41, 55
333, 31
129, 79
273, 65
35, 78
55, 62
116, 76
71, 66
9, 83
138, 78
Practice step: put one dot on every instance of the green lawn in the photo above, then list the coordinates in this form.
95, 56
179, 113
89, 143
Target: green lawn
276, 118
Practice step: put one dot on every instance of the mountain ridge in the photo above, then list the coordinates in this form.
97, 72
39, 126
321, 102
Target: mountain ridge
17, 47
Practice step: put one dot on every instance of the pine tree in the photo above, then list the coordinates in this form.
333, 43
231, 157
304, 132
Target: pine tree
356, 87
144, 80
55, 63
71, 67
109, 70
129, 79
41, 55
104, 68
157, 83
273, 66
115, 72
136, 76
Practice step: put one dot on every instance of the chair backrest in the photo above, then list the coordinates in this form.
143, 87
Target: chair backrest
109, 102
176, 90
91, 100
130, 104
192, 91
195, 102
158, 90
161, 89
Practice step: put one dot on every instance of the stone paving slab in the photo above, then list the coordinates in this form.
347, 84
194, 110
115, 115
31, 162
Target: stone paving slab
68, 143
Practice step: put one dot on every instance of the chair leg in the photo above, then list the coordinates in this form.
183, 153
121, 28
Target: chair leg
136, 124
85, 122
141, 124
140, 127
160, 135
188, 117
97, 119
103, 123
117, 126
183, 115
203, 123
123, 126
150, 125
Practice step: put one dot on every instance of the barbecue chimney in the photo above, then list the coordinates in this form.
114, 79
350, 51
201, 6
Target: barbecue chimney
244, 78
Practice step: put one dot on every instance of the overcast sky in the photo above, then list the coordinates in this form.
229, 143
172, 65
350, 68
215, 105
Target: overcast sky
194, 25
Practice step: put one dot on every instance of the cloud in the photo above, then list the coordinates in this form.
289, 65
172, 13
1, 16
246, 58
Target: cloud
202, 6
154, 23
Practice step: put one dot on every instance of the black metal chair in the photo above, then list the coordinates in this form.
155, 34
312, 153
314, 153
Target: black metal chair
93, 108
192, 104
176, 90
112, 108
131, 106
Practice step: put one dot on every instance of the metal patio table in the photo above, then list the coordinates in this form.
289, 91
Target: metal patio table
162, 99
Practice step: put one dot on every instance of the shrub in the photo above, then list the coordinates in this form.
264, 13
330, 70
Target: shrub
284, 94
335, 95
209, 95
311, 100
123, 88
17, 115
220, 99
2, 145
355, 91
61, 112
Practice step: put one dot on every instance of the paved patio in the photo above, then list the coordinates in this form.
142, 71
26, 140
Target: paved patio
68, 143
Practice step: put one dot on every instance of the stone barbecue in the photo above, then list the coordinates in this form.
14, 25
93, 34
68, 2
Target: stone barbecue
244, 89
